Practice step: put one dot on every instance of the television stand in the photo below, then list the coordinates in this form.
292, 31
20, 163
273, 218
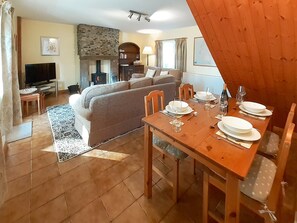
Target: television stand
48, 87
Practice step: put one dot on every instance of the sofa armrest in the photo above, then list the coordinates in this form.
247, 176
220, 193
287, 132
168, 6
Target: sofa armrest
75, 103
137, 75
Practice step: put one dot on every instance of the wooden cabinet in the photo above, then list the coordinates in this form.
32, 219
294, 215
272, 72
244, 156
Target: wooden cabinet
128, 54
127, 71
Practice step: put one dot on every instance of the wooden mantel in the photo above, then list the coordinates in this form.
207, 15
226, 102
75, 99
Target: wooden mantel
254, 43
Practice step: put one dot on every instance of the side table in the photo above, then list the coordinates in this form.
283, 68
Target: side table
39, 97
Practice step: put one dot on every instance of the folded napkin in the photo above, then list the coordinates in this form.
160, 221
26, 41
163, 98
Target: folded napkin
253, 116
244, 144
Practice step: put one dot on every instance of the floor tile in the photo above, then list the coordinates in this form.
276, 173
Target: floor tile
73, 163
157, 206
46, 192
97, 165
53, 211
44, 160
18, 186
134, 212
81, 196
93, 213
75, 176
18, 171
19, 146
135, 183
44, 174
37, 152
108, 179
15, 208
117, 200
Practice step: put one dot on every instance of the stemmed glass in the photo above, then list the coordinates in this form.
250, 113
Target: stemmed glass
208, 96
240, 94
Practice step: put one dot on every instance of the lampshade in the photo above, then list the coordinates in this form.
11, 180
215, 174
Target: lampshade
147, 50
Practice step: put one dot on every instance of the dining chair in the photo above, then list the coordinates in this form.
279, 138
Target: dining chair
154, 102
270, 142
186, 91
261, 188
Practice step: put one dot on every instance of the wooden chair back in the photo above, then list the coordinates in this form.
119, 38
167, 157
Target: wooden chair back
154, 102
283, 154
186, 91
289, 120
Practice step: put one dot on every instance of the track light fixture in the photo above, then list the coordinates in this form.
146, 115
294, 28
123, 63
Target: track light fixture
130, 16
139, 14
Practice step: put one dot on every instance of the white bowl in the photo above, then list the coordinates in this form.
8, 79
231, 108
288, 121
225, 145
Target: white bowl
237, 125
179, 106
202, 95
253, 106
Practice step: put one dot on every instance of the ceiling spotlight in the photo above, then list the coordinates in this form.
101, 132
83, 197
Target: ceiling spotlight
130, 16
139, 14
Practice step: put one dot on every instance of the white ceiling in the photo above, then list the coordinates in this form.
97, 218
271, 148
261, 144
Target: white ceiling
108, 13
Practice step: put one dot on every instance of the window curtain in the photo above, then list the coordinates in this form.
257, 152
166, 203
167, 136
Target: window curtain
181, 54
159, 54
10, 104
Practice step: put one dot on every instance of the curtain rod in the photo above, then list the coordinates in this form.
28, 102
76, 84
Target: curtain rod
172, 39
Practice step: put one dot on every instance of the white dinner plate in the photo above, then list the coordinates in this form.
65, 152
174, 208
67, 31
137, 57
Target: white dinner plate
265, 113
202, 98
237, 125
28, 90
253, 135
187, 111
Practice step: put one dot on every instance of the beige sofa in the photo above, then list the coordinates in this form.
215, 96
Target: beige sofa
105, 111
174, 72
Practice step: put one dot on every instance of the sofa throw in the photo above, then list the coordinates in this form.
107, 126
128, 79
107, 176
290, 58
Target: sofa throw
150, 73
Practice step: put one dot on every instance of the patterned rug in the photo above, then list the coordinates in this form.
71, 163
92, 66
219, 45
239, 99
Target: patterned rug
68, 142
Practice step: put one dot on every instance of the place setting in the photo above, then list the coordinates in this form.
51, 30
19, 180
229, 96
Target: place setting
176, 109
206, 97
237, 131
254, 110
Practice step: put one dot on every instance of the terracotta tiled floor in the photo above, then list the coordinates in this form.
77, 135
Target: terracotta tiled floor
103, 185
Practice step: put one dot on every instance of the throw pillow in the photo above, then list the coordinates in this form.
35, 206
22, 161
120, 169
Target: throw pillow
150, 73
164, 72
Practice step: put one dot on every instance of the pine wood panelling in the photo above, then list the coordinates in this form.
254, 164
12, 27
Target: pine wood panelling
254, 43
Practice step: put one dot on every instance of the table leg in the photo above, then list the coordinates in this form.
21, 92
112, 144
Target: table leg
148, 162
232, 201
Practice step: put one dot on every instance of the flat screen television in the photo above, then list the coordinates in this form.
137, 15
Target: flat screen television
42, 72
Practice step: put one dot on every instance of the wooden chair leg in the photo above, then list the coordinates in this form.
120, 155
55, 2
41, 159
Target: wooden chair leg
176, 181
205, 198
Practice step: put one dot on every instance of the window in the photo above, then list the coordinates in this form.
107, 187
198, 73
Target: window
168, 52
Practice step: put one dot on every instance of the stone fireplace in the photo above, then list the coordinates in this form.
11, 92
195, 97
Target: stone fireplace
96, 44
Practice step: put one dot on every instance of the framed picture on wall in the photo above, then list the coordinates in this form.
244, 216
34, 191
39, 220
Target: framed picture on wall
202, 55
50, 46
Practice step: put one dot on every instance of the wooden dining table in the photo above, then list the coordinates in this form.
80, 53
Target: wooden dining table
199, 140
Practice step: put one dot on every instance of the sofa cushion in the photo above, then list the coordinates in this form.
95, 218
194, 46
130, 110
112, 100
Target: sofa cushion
150, 73
163, 79
163, 72
96, 90
140, 82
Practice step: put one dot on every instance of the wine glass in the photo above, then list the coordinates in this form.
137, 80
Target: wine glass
208, 96
240, 94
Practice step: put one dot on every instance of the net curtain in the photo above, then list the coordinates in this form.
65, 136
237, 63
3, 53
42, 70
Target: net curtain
10, 106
